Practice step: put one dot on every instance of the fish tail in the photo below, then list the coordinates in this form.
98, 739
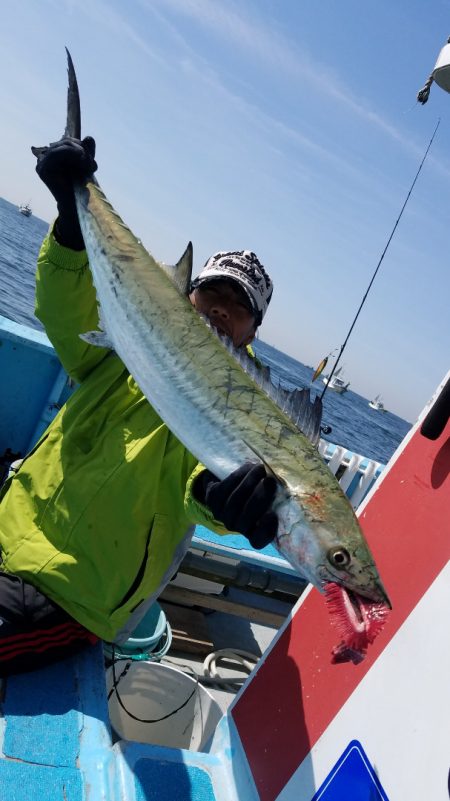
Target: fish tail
73, 123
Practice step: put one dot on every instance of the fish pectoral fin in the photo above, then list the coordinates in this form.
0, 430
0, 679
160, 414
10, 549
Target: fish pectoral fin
180, 273
270, 471
97, 338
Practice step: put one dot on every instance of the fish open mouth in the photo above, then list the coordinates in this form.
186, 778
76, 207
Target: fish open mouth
357, 619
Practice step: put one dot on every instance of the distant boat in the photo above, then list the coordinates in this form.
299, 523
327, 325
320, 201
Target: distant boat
25, 209
377, 404
337, 384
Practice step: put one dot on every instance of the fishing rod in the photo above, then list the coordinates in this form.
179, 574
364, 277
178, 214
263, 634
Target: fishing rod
378, 265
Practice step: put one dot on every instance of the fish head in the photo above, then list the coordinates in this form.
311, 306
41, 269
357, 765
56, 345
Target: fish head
327, 545
323, 541
330, 551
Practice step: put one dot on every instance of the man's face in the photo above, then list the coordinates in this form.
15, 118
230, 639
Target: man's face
227, 307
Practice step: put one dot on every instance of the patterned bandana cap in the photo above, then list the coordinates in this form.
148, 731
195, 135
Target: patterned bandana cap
243, 267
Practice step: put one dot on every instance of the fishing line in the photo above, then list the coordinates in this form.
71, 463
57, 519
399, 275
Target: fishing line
408, 110
381, 259
115, 689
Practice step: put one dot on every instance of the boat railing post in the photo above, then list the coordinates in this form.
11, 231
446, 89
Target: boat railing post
350, 471
346, 466
368, 476
337, 459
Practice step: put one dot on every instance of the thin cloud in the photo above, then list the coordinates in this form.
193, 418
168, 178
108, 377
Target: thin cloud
255, 37
101, 12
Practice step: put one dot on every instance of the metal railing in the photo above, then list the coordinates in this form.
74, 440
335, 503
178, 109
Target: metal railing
356, 474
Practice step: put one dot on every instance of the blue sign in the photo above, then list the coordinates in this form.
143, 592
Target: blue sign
352, 779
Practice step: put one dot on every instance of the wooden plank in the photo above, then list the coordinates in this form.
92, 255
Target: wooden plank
179, 595
189, 629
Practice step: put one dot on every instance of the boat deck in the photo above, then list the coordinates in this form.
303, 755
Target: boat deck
57, 742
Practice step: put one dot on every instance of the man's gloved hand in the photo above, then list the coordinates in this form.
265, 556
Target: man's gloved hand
241, 501
58, 166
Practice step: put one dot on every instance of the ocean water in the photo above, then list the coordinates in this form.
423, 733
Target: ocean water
20, 240
354, 425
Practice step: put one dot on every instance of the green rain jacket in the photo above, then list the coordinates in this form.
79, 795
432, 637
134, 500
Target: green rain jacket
100, 513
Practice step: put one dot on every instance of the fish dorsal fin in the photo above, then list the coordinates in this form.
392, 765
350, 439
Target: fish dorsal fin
305, 414
181, 272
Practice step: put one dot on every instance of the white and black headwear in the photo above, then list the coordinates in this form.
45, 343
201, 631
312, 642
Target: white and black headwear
244, 268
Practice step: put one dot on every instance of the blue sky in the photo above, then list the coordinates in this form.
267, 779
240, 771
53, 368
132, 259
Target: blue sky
288, 128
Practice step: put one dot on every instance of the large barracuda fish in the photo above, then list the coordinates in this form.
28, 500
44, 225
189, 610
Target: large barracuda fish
224, 412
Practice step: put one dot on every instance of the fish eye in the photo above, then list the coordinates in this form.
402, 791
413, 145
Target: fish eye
339, 558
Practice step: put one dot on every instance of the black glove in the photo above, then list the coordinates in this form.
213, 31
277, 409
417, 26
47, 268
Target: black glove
241, 501
58, 166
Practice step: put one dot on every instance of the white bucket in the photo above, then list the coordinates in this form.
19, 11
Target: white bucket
151, 690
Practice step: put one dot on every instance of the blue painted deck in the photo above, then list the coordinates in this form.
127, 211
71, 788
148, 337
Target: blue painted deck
57, 745
56, 739
238, 547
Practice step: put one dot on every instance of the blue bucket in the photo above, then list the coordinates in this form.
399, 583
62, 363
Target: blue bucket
151, 638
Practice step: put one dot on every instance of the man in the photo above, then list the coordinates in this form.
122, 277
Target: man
100, 514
